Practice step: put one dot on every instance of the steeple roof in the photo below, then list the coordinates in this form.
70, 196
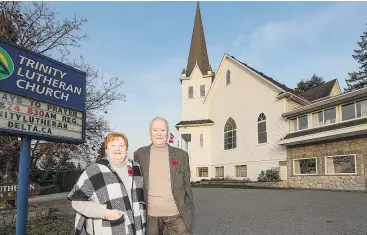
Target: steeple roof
198, 52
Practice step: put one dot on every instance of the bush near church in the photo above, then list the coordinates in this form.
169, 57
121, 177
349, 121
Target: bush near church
269, 176
55, 181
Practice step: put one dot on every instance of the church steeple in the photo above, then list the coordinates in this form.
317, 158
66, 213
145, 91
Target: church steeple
198, 53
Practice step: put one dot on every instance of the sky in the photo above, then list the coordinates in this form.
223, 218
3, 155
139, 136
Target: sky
146, 45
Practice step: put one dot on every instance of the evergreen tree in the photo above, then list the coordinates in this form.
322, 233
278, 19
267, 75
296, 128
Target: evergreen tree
358, 80
308, 84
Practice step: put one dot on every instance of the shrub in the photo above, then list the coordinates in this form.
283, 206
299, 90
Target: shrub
269, 176
7, 205
228, 178
59, 180
217, 179
43, 177
69, 179
247, 180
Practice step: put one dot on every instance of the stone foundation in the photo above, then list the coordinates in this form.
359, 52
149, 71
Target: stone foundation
320, 183
241, 184
328, 182
355, 181
349, 182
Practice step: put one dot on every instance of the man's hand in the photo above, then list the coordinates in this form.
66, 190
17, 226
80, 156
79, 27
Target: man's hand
112, 214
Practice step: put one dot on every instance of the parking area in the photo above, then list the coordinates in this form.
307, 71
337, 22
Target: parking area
226, 211
265, 212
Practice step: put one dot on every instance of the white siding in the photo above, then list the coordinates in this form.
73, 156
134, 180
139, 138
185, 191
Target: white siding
244, 99
194, 109
199, 156
291, 105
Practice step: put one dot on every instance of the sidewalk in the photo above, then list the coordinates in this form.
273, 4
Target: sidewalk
49, 197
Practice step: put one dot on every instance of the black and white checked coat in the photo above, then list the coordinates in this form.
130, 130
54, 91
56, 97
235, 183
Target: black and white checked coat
101, 184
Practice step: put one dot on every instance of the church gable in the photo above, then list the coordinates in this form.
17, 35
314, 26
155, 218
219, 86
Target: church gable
336, 89
196, 73
324, 91
231, 70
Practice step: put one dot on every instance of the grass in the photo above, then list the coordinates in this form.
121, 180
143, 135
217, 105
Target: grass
56, 224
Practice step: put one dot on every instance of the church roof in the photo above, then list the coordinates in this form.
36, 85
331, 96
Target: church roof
198, 52
273, 81
319, 92
311, 95
194, 122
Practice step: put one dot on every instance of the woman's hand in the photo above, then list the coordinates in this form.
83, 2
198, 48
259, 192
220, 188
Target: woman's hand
112, 214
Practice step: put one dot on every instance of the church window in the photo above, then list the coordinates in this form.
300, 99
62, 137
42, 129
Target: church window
202, 172
228, 77
219, 171
191, 92
202, 90
261, 129
230, 135
241, 171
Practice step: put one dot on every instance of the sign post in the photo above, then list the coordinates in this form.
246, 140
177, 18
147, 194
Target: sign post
22, 206
40, 98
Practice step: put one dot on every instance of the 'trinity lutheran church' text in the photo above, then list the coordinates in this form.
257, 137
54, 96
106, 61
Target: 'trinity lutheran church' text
35, 81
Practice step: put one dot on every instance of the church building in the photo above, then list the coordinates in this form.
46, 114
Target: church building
237, 121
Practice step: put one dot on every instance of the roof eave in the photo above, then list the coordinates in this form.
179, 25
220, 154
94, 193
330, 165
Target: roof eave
293, 97
334, 100
193, 125
349, 132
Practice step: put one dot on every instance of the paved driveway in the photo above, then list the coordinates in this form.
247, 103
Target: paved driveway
266, 212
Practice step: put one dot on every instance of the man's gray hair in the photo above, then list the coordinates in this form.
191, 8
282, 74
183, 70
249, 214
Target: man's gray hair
158, 118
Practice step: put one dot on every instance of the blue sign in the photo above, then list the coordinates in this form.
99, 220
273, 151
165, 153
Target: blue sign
26, 73
40, 97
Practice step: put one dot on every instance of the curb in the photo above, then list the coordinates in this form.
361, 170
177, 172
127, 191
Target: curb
275, 188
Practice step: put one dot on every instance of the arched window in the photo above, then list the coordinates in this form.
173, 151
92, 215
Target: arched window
228, 77
230, 136
261, 129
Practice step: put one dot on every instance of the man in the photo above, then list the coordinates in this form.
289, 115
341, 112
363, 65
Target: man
166, 174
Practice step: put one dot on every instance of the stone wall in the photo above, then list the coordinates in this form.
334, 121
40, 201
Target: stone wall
321, 179
242, 184
9, 217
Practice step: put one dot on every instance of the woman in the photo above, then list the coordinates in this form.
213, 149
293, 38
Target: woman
108, 196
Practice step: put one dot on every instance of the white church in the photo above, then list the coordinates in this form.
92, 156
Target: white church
237, 121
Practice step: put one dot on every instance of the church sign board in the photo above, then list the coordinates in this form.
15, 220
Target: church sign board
10, 191
40, 97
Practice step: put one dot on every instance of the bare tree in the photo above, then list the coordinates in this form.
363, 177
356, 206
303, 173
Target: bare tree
10, 21
37, 27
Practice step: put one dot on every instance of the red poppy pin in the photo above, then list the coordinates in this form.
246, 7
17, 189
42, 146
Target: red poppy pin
174, 163
131, 172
